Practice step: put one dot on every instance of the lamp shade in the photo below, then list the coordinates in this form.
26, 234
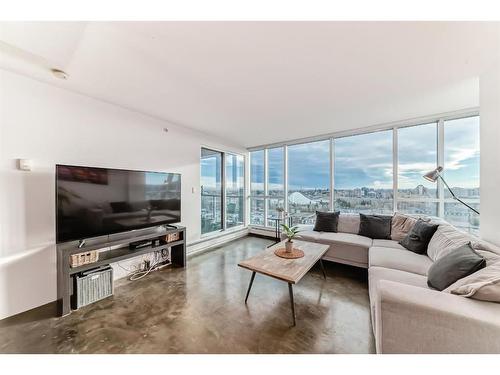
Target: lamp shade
433, 175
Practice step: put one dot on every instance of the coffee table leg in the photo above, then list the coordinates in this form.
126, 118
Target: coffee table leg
278, 231
276, 235
322, 268
250, 286
290, 290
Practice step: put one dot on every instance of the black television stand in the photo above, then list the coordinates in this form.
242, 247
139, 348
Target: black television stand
112, 248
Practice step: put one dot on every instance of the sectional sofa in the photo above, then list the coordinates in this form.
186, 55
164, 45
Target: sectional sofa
408, 316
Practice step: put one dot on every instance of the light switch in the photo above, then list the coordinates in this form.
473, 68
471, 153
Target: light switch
25, 164
193, 190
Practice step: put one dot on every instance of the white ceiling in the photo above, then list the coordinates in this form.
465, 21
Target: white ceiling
254, 83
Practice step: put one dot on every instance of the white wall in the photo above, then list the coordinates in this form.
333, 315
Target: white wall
489, 85
52, 125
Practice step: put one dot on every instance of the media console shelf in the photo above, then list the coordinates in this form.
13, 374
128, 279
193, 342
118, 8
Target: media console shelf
112, 248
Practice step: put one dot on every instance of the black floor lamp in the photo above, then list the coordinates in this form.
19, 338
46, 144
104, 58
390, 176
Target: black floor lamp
433, 175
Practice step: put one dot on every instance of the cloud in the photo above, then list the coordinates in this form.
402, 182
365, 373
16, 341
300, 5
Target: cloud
366, 159
457, 157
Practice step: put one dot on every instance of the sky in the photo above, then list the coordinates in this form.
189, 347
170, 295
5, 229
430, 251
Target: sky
366, 160
211, 163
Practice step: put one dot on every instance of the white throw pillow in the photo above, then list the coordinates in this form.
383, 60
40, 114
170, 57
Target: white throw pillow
446, 239
481, 245
483, 285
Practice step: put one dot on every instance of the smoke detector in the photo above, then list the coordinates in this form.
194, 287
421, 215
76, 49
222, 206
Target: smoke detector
59, 74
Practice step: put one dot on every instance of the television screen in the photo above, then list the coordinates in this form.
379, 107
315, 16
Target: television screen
93, 202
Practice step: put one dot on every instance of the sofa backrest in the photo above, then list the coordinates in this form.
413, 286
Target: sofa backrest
448, 238
349, 223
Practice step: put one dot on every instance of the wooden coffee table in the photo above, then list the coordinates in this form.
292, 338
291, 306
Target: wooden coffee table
290, 271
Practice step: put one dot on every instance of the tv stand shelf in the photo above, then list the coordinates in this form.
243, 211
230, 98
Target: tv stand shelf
114, 248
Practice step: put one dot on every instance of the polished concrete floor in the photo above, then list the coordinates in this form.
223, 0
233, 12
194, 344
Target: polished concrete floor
201, 309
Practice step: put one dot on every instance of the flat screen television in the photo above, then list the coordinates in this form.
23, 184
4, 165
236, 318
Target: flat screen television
92, 202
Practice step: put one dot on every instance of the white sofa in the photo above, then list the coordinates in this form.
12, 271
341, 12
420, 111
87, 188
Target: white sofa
408, 316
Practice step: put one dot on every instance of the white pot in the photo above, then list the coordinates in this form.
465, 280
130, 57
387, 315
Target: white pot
288, 246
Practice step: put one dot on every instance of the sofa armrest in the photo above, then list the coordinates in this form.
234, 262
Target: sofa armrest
412, 319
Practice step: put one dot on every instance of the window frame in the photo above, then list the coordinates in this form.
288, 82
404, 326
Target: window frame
226, 195
266, 197
438, 119
224, 227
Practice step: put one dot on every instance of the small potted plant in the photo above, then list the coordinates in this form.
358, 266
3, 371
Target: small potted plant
290, 233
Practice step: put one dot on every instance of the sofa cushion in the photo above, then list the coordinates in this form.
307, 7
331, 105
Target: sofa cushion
345, 238
417, 240
346, 248
401, 225
326, 221
482, 285
348, 223
375, 226
488, 251
306, 235
490, 257
387, 243
376, 274
459, 263
446, 239
402, 260
481, 245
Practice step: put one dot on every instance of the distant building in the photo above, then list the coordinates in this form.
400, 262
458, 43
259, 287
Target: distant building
299, 199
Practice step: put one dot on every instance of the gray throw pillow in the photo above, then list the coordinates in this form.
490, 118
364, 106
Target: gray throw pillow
326, 221
375, 226
458, 264
419, 236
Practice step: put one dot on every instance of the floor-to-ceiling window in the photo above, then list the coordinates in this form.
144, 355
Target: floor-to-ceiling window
267, 185
222, 190
211, 190
461, 171
275, 183
417, 155
308, 180
375, 172
257, 214
235, 190
363, 173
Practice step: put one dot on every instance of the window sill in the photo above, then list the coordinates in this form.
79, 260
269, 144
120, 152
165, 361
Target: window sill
220, 233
